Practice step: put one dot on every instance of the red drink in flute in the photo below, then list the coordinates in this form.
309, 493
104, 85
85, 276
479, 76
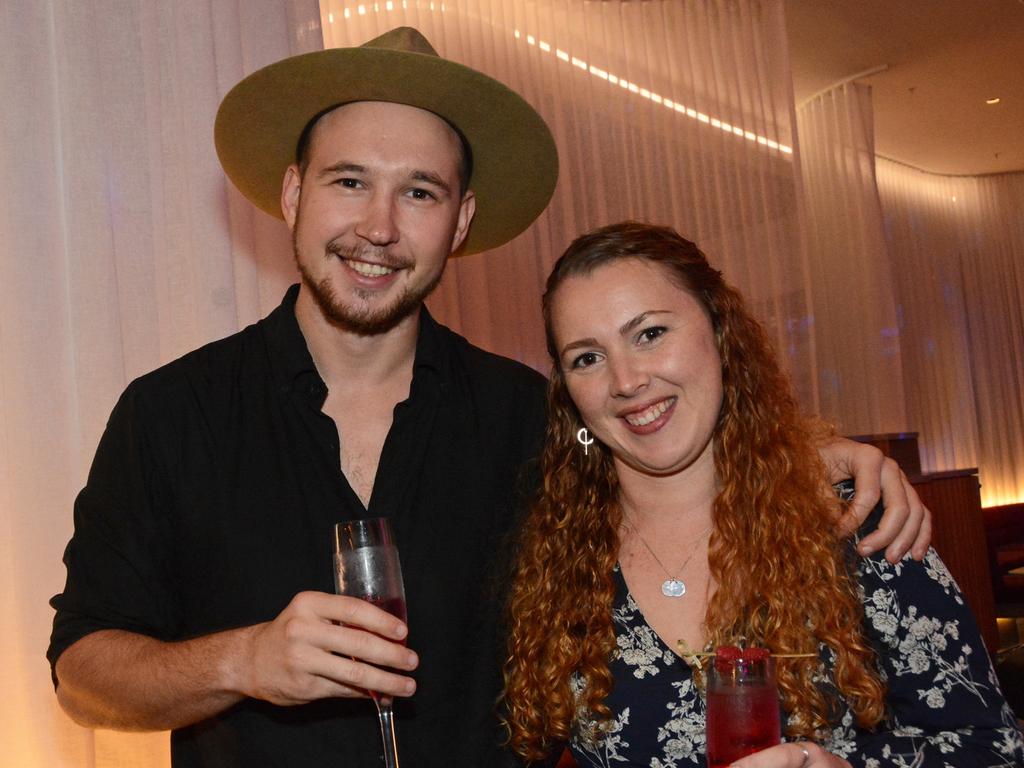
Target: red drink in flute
742, 705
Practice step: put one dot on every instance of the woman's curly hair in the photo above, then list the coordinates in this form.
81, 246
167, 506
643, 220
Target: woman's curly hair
781, 574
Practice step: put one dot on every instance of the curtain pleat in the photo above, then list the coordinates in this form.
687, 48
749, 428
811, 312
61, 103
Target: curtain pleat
957, 244
122, 246
859, 366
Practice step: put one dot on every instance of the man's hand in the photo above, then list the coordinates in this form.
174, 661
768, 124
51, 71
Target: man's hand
326, 645
799, 754
320, 645
906, 523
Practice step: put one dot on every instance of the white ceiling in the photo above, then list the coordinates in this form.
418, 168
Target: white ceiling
944, 58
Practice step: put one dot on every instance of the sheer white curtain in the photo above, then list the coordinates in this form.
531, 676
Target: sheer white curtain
121, 247
918, 292
860, 371
957, 245
663, 111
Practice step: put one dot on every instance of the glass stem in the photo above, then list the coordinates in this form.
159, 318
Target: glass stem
387, 732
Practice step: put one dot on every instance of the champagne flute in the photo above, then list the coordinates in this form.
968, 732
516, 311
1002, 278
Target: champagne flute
366, 566
742, 714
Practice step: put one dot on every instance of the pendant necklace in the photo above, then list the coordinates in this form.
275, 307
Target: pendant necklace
673, 586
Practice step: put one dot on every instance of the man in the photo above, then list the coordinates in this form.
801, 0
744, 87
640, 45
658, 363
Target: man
199, 576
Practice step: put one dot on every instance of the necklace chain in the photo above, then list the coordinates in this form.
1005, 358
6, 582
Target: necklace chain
673, 586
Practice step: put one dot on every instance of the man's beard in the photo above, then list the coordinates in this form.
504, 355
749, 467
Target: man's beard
364, 322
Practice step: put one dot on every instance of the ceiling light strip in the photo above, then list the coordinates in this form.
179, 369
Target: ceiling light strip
633, 88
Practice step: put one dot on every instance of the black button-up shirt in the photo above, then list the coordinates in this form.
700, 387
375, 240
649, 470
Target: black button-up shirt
211, 501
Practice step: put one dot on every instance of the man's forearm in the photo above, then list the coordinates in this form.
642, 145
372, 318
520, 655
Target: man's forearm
127, 681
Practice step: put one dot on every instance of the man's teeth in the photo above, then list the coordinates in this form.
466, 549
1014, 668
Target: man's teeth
370, 270
646, 417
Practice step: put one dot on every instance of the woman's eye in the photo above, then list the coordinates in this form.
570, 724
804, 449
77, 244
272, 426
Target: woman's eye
650, 334
585, 360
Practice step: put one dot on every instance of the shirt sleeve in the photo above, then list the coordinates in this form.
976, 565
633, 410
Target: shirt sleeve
119, 554
944, 703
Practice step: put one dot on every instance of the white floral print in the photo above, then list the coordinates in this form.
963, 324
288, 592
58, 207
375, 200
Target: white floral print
945, 707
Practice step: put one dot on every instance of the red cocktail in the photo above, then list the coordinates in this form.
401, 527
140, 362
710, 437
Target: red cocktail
742, 705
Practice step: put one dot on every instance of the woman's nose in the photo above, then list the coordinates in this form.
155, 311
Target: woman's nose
627, 377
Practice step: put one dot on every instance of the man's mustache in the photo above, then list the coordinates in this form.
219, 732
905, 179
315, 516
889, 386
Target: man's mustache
369, 253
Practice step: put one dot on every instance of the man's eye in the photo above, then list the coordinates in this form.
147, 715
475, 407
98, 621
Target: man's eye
420, 194
348, 183
650, 334
585, 360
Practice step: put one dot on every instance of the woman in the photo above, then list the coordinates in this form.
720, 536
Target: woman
696, 520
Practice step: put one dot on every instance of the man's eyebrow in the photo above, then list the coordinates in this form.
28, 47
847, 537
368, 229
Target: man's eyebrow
342, 167
426, 177
429, 177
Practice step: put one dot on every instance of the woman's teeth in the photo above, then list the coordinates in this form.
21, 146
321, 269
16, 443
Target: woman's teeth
646, 417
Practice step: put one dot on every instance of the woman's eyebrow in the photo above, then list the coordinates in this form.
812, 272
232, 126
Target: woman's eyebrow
629, 326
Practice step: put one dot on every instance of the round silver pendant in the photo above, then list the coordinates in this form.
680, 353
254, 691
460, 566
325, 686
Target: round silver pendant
673, 588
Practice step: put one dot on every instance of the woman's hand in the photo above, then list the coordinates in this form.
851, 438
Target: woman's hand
797, 754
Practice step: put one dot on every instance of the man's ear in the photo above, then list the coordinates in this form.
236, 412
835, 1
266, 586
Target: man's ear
290, 191
466, 210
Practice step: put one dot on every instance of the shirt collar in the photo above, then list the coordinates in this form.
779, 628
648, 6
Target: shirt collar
290, 356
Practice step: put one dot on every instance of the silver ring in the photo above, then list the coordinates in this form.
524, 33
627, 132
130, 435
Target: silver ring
807, 757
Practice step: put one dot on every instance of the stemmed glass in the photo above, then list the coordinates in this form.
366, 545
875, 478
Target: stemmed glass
742, 705
366, 566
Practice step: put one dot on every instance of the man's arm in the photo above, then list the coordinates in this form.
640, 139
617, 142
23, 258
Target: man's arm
906, 524
320, 646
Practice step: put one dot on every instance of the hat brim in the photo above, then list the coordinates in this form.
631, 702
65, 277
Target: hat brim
515, 163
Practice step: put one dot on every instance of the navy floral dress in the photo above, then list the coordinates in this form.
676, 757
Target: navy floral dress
945, 705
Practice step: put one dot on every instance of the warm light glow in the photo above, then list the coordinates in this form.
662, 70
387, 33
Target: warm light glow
995, 500
993, 101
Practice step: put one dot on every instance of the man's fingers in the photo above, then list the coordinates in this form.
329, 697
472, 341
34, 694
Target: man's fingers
327, 645
869, 476
356, 674
897, 529
924, 533
360, 644
351, 611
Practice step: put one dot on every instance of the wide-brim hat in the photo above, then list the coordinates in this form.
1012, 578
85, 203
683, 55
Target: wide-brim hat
515, 164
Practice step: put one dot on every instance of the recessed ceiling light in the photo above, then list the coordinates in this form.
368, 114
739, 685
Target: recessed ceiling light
993, 101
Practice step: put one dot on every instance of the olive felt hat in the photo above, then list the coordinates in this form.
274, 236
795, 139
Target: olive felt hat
515, 164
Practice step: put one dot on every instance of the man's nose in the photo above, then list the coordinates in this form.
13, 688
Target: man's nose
378, 225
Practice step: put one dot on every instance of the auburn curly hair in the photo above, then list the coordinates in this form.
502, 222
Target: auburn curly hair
782, 578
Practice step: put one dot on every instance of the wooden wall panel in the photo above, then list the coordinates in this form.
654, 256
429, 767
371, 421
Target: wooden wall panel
954, 499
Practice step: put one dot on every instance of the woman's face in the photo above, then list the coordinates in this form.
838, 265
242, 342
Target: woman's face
641, 364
